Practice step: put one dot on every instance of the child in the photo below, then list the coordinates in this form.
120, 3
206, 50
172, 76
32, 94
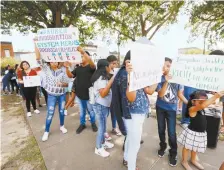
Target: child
194, 137
166, 107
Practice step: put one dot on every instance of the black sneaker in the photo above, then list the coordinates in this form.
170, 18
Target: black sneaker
173, 160
94, 127
142, 141
161, 152
80, 129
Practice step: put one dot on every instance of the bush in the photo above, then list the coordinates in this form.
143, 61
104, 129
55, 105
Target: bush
8, 61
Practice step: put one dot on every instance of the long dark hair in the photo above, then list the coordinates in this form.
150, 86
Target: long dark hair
21, 64
193, 96
101, 70
127, 57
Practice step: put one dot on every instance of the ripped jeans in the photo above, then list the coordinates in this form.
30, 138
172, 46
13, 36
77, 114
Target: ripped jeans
51, 104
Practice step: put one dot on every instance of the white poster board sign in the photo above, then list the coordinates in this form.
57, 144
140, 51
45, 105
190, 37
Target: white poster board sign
147, 63
199, 71
31, 81
58, 44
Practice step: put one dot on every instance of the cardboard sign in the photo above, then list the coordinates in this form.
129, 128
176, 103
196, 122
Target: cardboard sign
31, 81
58, 44
147, 63
199, 71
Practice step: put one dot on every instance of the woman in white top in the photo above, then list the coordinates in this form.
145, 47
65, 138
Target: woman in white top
102, 100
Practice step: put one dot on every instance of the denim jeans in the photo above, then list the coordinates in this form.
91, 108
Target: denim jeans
84, 106
133, 138
51, 104
101, 116
169, 117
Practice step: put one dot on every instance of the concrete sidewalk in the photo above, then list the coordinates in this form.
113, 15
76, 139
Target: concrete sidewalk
76, 152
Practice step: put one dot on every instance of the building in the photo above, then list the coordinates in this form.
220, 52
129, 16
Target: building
18, 55
6, 49
187, 50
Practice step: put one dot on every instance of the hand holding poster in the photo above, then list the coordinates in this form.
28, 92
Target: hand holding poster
147, 65
199, 71
31, 81
58, 44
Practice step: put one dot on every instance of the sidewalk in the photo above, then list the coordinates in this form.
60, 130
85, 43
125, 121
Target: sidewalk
76, 152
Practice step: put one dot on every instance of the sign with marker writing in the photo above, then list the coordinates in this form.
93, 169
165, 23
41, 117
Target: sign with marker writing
58, 44
147, 63
31, 81
199, 71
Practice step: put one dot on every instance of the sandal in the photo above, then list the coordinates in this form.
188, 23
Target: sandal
116, 132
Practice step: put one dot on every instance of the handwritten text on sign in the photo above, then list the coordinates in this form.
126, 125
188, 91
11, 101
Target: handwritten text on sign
147, 65
31, 81
58, 44
199, 71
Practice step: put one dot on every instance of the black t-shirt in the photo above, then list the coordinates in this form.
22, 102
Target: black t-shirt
83, 83
199, 122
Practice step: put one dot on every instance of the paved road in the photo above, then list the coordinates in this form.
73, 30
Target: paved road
76, 152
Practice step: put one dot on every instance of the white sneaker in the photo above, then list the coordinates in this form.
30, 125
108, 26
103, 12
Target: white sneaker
29, 114
37, 111
108, 145
45, 136
63, 130
65, 112
102, 152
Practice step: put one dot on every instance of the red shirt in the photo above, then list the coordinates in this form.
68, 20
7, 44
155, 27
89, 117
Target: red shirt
31, 73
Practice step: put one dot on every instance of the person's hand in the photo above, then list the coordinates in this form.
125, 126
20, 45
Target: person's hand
128, 66
168, 77
220, 94
80, 49
59, 84
66, 64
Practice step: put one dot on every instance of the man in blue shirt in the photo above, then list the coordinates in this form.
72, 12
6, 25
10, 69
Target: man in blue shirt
166, 107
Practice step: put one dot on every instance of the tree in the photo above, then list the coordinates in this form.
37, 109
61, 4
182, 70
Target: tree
132, 19
34, 15
207, 19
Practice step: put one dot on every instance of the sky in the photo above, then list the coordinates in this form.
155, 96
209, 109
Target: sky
168, 39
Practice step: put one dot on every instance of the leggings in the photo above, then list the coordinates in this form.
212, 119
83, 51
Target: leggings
30, 96
14, 83
45, 94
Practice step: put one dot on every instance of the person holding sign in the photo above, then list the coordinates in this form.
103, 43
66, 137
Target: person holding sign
102, 96
194, 137
29, 92
133, 107
166, 107
83, 75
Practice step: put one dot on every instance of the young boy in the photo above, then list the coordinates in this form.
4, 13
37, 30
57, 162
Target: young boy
166, 107
83, 75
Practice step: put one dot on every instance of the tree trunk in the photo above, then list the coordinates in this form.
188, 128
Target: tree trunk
58, 19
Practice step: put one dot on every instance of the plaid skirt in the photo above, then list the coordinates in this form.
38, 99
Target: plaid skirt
194, 141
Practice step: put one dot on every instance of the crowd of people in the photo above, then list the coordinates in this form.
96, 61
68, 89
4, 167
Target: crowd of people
99, 91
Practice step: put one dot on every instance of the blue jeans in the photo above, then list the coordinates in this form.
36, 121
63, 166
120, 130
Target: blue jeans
51, 104
101, 115
169, 117
84, 106
6, 85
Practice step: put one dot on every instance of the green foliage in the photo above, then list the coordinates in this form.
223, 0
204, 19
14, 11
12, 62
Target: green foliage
132, 19
8, 61
207, 19
196, 51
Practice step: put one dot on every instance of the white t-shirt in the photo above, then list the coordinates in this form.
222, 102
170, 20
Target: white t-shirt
100, 84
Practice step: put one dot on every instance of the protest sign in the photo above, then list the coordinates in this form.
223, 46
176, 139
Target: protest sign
58, 44
31, 81
102, 53
199, 71
147, 65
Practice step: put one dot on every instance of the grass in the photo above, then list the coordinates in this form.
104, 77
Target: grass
30, 154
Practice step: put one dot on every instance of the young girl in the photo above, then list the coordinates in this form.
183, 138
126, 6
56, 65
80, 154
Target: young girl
102, 96
194, 137
29, 92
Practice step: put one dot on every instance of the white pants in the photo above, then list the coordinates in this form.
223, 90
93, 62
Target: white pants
133, 138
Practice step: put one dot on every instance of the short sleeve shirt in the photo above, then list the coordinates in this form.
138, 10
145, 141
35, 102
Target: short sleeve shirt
170, 100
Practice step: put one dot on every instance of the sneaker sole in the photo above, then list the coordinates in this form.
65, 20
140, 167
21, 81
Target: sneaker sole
101, 155
161, 156
173, 165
